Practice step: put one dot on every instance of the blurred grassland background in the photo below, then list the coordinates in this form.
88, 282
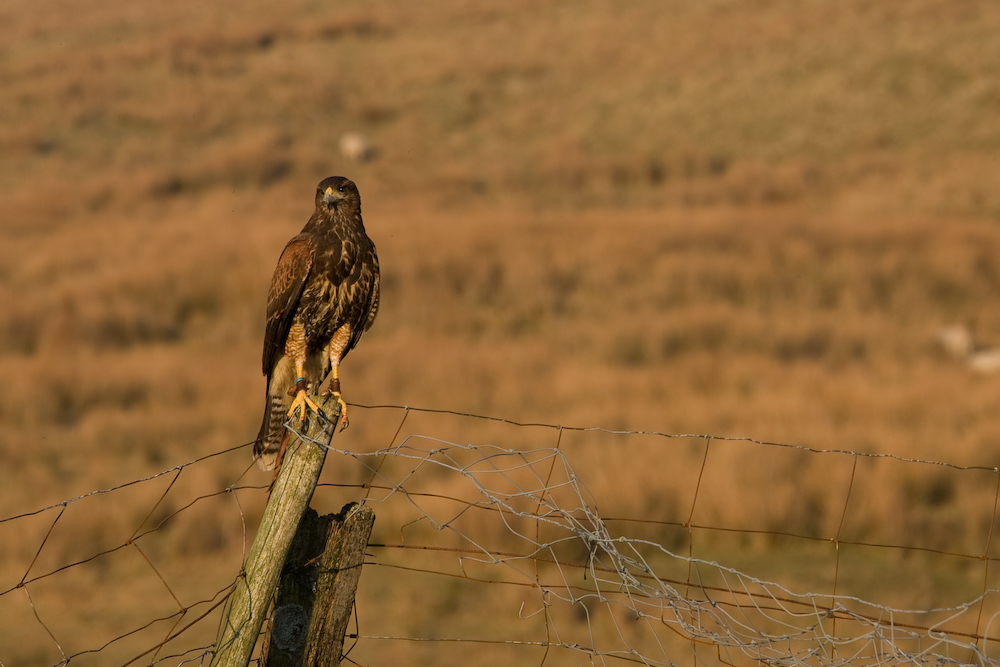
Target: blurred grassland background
726, 217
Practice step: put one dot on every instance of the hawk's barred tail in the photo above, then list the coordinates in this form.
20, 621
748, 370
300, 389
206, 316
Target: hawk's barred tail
272, 431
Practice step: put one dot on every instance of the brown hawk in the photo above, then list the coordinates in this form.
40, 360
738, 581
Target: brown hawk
323, 297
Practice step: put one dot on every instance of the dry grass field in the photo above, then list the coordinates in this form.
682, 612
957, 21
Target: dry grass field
733, 218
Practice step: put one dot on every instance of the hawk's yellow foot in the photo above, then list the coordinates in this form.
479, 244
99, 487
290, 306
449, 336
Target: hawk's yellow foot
343, 407
301, 402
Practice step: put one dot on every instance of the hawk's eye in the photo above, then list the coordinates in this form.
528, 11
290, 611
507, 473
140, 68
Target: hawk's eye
341, 188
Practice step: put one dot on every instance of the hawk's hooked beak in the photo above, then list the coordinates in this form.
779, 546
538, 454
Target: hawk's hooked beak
331, 196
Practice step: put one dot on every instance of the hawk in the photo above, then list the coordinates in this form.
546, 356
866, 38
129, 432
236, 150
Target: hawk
324, 295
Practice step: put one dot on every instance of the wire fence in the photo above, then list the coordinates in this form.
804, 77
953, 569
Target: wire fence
490, 547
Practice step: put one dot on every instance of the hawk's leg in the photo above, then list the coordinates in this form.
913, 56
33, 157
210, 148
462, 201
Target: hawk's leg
295, 347
337, 348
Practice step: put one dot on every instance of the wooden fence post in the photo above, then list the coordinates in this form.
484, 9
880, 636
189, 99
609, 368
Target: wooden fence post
243, 616
316, 596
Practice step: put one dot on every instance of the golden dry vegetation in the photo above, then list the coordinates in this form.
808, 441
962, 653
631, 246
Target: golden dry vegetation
740, 219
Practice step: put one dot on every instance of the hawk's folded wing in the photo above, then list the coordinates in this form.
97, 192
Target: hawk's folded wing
283, 298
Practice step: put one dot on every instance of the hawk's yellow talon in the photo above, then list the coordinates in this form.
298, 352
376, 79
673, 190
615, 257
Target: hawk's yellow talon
301, 403
343, 408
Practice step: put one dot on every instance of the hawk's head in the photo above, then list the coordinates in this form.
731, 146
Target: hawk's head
337, 192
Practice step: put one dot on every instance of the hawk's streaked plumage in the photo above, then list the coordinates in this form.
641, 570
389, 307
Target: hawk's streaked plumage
323, 297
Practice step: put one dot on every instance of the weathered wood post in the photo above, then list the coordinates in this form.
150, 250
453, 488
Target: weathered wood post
340, 570
292, 491
316, 594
